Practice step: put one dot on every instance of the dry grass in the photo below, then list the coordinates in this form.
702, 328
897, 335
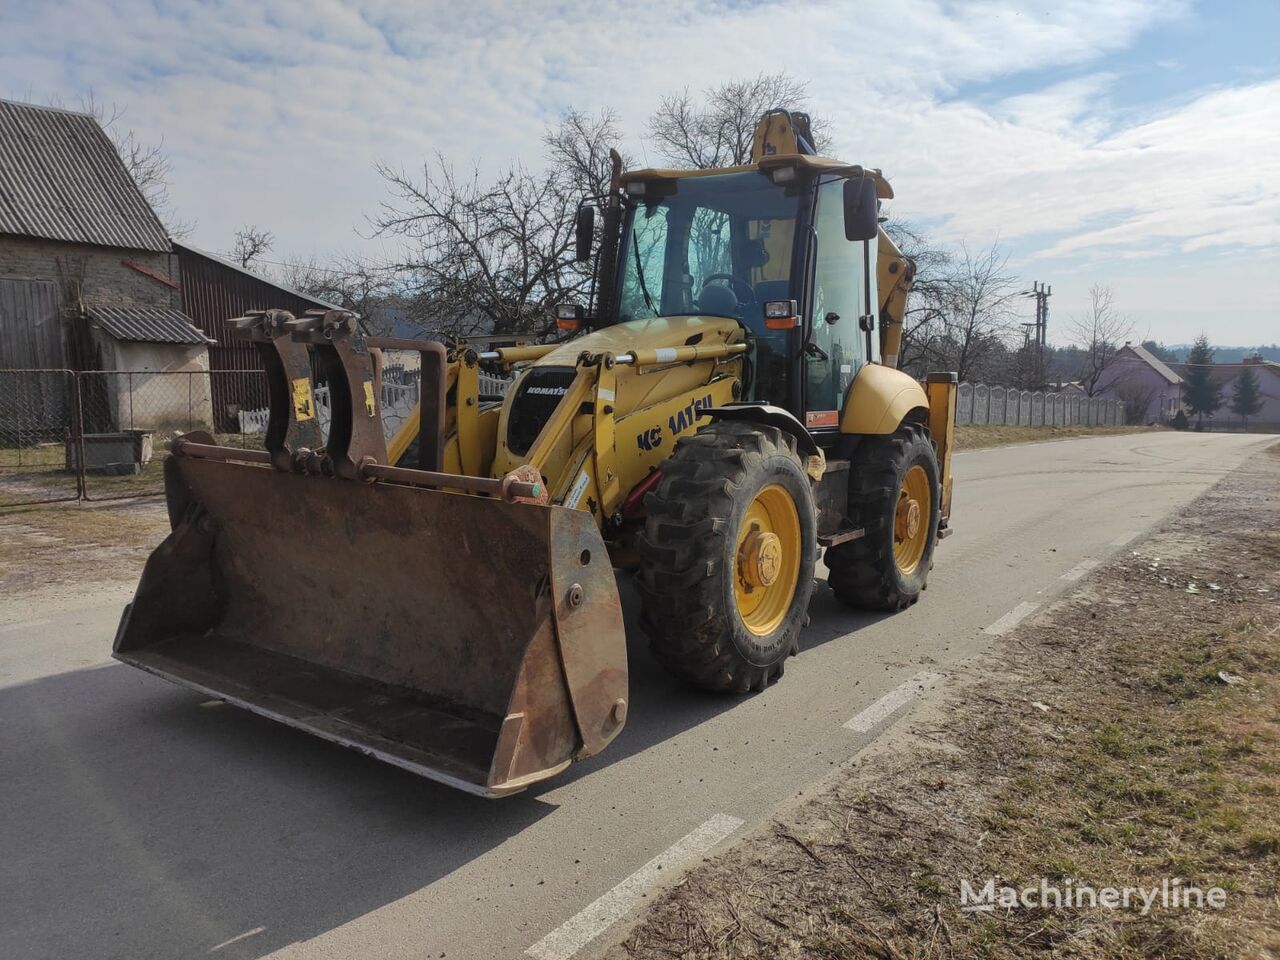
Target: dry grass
70, 543
1098, 744
971, 436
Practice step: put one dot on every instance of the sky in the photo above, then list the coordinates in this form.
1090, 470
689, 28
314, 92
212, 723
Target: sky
1133, 143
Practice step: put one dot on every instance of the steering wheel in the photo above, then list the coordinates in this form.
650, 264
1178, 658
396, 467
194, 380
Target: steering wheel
730, 279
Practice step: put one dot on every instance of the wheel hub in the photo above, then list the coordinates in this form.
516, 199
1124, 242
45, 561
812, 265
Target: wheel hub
767, 559
907, 520
760, 558
911, 519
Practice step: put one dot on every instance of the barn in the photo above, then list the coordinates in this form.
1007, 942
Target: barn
88, 277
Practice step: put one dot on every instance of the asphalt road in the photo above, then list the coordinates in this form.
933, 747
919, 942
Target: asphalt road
140, 821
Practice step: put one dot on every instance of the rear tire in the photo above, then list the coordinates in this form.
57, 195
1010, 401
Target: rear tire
727, 557
888, 568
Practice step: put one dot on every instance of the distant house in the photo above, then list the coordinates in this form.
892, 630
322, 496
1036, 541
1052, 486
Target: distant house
88, 279
1267, 420
1150, 389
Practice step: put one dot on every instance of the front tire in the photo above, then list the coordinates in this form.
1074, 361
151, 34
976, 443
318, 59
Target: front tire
895, 496
727, 557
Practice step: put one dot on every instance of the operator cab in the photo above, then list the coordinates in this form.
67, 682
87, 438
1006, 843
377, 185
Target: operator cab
724, 243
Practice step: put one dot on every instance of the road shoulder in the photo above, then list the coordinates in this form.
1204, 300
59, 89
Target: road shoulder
1128, 734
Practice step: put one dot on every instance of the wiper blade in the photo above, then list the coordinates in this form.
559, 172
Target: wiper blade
644, 289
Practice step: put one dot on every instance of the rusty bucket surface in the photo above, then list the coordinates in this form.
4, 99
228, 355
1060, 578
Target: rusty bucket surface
470, 640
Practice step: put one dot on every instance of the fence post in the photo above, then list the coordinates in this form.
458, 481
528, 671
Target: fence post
82, 486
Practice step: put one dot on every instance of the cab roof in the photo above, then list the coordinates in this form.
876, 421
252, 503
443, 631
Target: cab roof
815, 164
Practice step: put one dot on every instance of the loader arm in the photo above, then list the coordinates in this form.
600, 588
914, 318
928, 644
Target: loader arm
897, 272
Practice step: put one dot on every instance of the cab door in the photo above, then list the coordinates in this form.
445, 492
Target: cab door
836, 346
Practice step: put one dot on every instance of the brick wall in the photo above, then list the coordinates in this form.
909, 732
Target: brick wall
101, 275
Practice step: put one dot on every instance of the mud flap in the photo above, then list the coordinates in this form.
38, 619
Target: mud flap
473, 641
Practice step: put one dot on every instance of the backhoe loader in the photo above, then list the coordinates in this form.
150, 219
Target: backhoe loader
725, 409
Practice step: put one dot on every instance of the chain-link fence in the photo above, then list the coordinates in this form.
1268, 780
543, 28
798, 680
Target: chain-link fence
128, 418
38, 436
101, 435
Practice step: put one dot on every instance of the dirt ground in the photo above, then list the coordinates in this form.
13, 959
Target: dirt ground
1128, 734
63, 546
971, 436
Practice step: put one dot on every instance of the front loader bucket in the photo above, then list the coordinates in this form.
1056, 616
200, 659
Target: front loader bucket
471, 640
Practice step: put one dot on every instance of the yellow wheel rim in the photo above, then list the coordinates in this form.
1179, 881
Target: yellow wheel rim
911, 520
767, 560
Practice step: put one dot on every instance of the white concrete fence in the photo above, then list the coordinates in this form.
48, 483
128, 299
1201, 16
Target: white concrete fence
983, 404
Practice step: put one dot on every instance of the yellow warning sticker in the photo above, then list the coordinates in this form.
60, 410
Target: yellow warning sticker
369, 405
304, 407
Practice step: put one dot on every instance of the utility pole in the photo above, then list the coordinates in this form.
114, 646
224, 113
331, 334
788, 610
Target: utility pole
1041, 292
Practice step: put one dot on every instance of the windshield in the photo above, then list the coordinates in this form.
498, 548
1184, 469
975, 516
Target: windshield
714, 245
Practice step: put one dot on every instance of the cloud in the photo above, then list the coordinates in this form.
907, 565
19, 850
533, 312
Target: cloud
275, 113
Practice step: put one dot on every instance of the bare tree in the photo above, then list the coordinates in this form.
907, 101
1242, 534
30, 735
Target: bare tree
250, 244
486, 258
716, 129
350, 283
498, 257
923, 329
578, 150
977, 307
1098, 334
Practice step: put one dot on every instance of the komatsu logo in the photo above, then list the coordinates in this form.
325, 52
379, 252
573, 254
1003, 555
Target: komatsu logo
682, 420
547, 391
649, 439
677, 423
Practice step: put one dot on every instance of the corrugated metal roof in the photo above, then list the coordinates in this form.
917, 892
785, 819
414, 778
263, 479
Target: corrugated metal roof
1155, 362
147, 324
316, 302
61, 179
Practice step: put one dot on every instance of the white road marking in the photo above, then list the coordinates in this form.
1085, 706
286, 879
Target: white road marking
236, 939
22, 626
592, 920
891, 701
1124, 539
1079, 570
1011, 619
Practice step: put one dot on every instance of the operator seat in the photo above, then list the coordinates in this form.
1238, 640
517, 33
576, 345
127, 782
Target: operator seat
718, 300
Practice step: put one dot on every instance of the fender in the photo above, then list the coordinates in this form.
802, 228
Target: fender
767, 414
879, 399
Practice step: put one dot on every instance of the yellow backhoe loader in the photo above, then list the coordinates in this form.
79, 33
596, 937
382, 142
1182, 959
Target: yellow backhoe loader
726, 407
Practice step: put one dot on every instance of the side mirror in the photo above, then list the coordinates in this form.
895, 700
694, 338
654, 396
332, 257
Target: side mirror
861, 211
584, 231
